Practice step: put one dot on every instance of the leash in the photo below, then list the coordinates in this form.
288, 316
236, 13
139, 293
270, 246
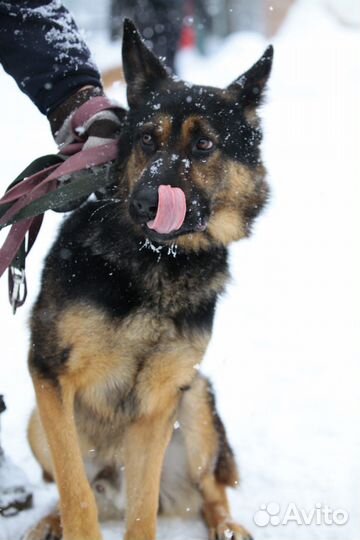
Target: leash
38, 189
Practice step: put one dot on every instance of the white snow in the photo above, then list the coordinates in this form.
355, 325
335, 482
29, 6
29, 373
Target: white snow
285, 352
156, 166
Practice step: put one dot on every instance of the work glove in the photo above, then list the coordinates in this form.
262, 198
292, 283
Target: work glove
98, 130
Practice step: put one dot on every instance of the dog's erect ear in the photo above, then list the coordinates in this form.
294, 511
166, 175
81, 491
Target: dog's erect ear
249, 87
142, 69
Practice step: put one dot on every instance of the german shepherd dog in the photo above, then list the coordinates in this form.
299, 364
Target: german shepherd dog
127, 304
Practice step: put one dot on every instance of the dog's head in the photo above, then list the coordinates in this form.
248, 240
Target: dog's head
194, 172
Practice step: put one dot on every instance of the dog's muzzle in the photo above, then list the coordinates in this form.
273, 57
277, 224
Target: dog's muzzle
162, 210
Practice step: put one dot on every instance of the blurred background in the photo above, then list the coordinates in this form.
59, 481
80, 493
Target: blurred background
285, 354
203, 22
208, 18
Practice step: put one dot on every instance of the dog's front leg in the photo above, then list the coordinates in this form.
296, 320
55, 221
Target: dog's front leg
77, 503
145, 443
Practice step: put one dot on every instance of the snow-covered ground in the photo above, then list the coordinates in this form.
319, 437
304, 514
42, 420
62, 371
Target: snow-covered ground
285, 351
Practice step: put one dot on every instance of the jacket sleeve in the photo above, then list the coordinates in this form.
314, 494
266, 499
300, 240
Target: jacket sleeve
41, 48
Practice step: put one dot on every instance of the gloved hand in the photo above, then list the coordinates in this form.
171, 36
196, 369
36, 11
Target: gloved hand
98, 130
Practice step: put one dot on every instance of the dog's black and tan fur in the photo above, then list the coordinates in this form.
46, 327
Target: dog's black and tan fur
124, 315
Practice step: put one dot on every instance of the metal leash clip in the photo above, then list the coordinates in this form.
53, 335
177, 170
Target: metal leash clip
17, 287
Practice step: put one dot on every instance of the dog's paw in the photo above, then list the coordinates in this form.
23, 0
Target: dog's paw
229, 531
48, 528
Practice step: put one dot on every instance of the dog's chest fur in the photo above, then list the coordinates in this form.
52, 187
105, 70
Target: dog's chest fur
124, 370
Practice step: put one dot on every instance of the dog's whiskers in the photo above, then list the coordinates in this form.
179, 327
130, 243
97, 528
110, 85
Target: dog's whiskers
107, 202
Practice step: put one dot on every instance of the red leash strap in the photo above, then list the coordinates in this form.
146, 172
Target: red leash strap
46, 181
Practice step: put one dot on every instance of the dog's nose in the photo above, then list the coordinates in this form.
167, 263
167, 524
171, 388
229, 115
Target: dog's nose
144, 204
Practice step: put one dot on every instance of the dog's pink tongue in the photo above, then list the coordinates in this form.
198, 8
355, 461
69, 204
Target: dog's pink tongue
171, 210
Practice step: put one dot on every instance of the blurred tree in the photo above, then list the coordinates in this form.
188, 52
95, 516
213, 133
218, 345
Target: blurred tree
275, 12
245, 15
159, 21
92, 16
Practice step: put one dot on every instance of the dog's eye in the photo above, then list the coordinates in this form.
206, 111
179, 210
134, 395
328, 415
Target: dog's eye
204, 145
148, 143
147, 139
